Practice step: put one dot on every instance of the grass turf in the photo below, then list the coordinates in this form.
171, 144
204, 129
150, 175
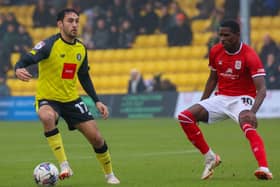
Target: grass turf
146, 152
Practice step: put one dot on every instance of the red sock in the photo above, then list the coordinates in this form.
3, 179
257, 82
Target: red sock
192, 131
256, 143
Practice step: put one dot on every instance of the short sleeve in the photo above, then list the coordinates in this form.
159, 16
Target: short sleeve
254, 64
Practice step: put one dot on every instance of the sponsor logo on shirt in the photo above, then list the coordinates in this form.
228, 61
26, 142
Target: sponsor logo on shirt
228, 74
39, 45
68, 71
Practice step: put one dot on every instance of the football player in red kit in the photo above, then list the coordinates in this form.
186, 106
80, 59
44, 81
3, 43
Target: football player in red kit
237, 74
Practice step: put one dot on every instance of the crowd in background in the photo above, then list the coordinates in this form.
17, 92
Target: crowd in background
115, 24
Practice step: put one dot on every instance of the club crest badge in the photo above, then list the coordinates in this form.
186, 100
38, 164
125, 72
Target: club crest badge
79, 56
238, 64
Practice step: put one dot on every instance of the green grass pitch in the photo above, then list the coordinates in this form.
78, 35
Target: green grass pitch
145, 153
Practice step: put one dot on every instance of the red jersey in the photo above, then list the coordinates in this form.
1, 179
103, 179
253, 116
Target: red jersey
236, 70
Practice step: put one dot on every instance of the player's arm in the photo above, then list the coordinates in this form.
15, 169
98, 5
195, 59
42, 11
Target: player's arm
259, 82
213, 77
257, 71
86, 82
210, 84
250, 115
39, 52
88, 86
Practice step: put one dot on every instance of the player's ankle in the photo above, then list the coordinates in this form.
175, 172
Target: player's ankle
210, 153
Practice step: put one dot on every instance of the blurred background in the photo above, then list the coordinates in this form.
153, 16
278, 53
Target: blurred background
157, 45
164, 39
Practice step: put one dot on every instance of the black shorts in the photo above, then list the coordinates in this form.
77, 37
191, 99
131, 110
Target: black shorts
73, 112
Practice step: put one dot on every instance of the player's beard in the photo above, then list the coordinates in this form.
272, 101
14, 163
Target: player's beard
70, 34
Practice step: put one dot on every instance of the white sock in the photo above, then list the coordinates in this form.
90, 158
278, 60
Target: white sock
265, 169
210, 153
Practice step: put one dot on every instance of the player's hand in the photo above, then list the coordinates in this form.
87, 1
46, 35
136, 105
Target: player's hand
102, 109
23, 74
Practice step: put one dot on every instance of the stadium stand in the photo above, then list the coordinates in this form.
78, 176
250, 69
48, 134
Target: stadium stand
185, 66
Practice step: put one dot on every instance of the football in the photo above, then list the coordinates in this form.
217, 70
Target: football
45, 174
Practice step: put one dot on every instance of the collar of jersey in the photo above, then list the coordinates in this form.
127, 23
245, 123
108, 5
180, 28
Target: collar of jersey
66, 41
240, 47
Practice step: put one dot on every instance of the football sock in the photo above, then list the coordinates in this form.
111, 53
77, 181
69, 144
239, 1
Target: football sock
256, 143
56, 145
210, 154
103, 156
192, 131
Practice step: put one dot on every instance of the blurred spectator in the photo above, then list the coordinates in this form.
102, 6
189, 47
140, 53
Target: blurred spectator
42, 15
110, 18
181, 34
2, 25
175, 9
4, 89
126, 35
160, 84
8, 45
149, 21
157, 82
256, 7
271, 7
269, 46
16, 2
58, 5
231, 9
165, 21
119, 10
11, 19
93, 14
134, 17
216, 19
265, 7
24, 43
214, 39
101, 35
114, 36
10, 38
136, 83
5, 63
167, 85
205, 8
87, 36
272, 72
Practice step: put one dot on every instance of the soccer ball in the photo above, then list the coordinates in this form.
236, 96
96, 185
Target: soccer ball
45, 174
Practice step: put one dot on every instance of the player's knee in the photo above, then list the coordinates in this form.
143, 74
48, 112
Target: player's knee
47, 116
185, 117
244, 117
97, 140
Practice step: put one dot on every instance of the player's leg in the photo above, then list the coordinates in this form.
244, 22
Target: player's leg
248, 124
188, 121
48, 117
90, 131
